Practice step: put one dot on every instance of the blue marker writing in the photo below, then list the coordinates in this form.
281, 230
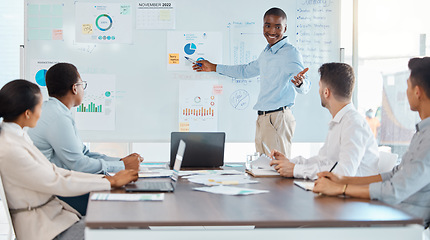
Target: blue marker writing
192, 61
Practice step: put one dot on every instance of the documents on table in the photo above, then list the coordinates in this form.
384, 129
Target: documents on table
205, 172
127, 197
263, 172
306, 185
227, 190
233, 165
262, 162
215, 180
150, 165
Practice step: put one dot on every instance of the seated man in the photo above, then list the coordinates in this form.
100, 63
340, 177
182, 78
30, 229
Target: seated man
56, 135
408, 184
350, 143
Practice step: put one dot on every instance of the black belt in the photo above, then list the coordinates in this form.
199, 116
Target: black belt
271, 111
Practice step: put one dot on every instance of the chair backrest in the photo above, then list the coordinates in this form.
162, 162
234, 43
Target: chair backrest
11, 234
387, 161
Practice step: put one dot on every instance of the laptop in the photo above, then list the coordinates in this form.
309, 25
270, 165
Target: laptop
160, 186
204, 149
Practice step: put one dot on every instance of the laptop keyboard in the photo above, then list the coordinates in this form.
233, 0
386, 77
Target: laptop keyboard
155, 185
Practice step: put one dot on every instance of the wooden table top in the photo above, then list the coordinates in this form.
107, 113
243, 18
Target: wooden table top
286, 205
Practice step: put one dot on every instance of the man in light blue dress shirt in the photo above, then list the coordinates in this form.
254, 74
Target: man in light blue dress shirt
277, 66
408, 184
56, 135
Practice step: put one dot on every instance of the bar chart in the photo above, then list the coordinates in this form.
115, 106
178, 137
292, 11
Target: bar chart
90, 108
198, 112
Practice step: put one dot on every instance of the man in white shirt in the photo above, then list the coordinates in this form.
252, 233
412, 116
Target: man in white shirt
350, 145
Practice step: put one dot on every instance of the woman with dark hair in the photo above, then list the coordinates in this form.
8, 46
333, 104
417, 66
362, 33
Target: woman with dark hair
31, 182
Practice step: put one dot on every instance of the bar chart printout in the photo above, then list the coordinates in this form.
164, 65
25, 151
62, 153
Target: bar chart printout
91, 107
198, 110
97, 110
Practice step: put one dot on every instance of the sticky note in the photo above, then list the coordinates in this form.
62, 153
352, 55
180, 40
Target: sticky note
45, 10
57, 22
57, 10
217, 89
57, 34
125, 9
164, 15
44, 22
173, 58
87, 28
33, 10
184, 127
33, 22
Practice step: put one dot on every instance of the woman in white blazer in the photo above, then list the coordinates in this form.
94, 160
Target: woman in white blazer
31, 181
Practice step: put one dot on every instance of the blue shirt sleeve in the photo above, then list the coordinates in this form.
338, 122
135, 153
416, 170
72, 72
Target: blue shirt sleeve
404, 180
113, 164
240, 71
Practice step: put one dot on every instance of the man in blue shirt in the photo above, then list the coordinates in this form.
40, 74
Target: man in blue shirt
277, 65
408, 184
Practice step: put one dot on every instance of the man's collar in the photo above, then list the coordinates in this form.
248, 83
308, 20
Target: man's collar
423, 124
339, 115
277, 45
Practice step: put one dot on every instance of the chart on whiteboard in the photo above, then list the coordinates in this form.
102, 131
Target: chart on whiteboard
103, 22
244, 36
198, 106
97, 110
193, 45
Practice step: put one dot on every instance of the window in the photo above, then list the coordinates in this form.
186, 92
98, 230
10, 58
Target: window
12, 36
389, 34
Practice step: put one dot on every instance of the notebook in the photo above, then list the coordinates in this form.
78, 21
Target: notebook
261, 167
306, 185
204, 149
160, 186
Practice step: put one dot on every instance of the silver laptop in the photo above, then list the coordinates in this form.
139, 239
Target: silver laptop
145, 185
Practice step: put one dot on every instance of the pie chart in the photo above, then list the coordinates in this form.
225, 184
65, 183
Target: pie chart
190, 48
104, 22
40, 77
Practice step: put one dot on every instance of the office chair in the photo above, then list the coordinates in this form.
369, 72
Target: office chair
11, 234
387, 161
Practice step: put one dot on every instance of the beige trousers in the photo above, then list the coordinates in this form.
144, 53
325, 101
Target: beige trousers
276, 130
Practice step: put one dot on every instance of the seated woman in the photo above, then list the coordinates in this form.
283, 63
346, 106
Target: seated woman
408, 184
31, 182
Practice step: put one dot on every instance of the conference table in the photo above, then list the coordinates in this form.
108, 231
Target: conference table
286, 211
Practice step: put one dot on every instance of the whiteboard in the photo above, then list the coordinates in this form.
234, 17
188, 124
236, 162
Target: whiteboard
145, 88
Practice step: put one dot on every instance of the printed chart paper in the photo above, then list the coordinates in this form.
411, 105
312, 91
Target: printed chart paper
97, 111
194, 45
103, 22
198, 106
38, 69
155, 15
246, 41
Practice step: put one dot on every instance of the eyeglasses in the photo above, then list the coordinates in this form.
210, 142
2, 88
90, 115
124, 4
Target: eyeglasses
83, 83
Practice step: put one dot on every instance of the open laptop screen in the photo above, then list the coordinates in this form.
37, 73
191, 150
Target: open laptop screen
178, 161
204, 149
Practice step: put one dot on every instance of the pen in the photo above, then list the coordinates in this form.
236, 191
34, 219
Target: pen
333, 167
268, 149
192, 61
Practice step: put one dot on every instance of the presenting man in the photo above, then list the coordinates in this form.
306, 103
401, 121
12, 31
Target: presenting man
277, 65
